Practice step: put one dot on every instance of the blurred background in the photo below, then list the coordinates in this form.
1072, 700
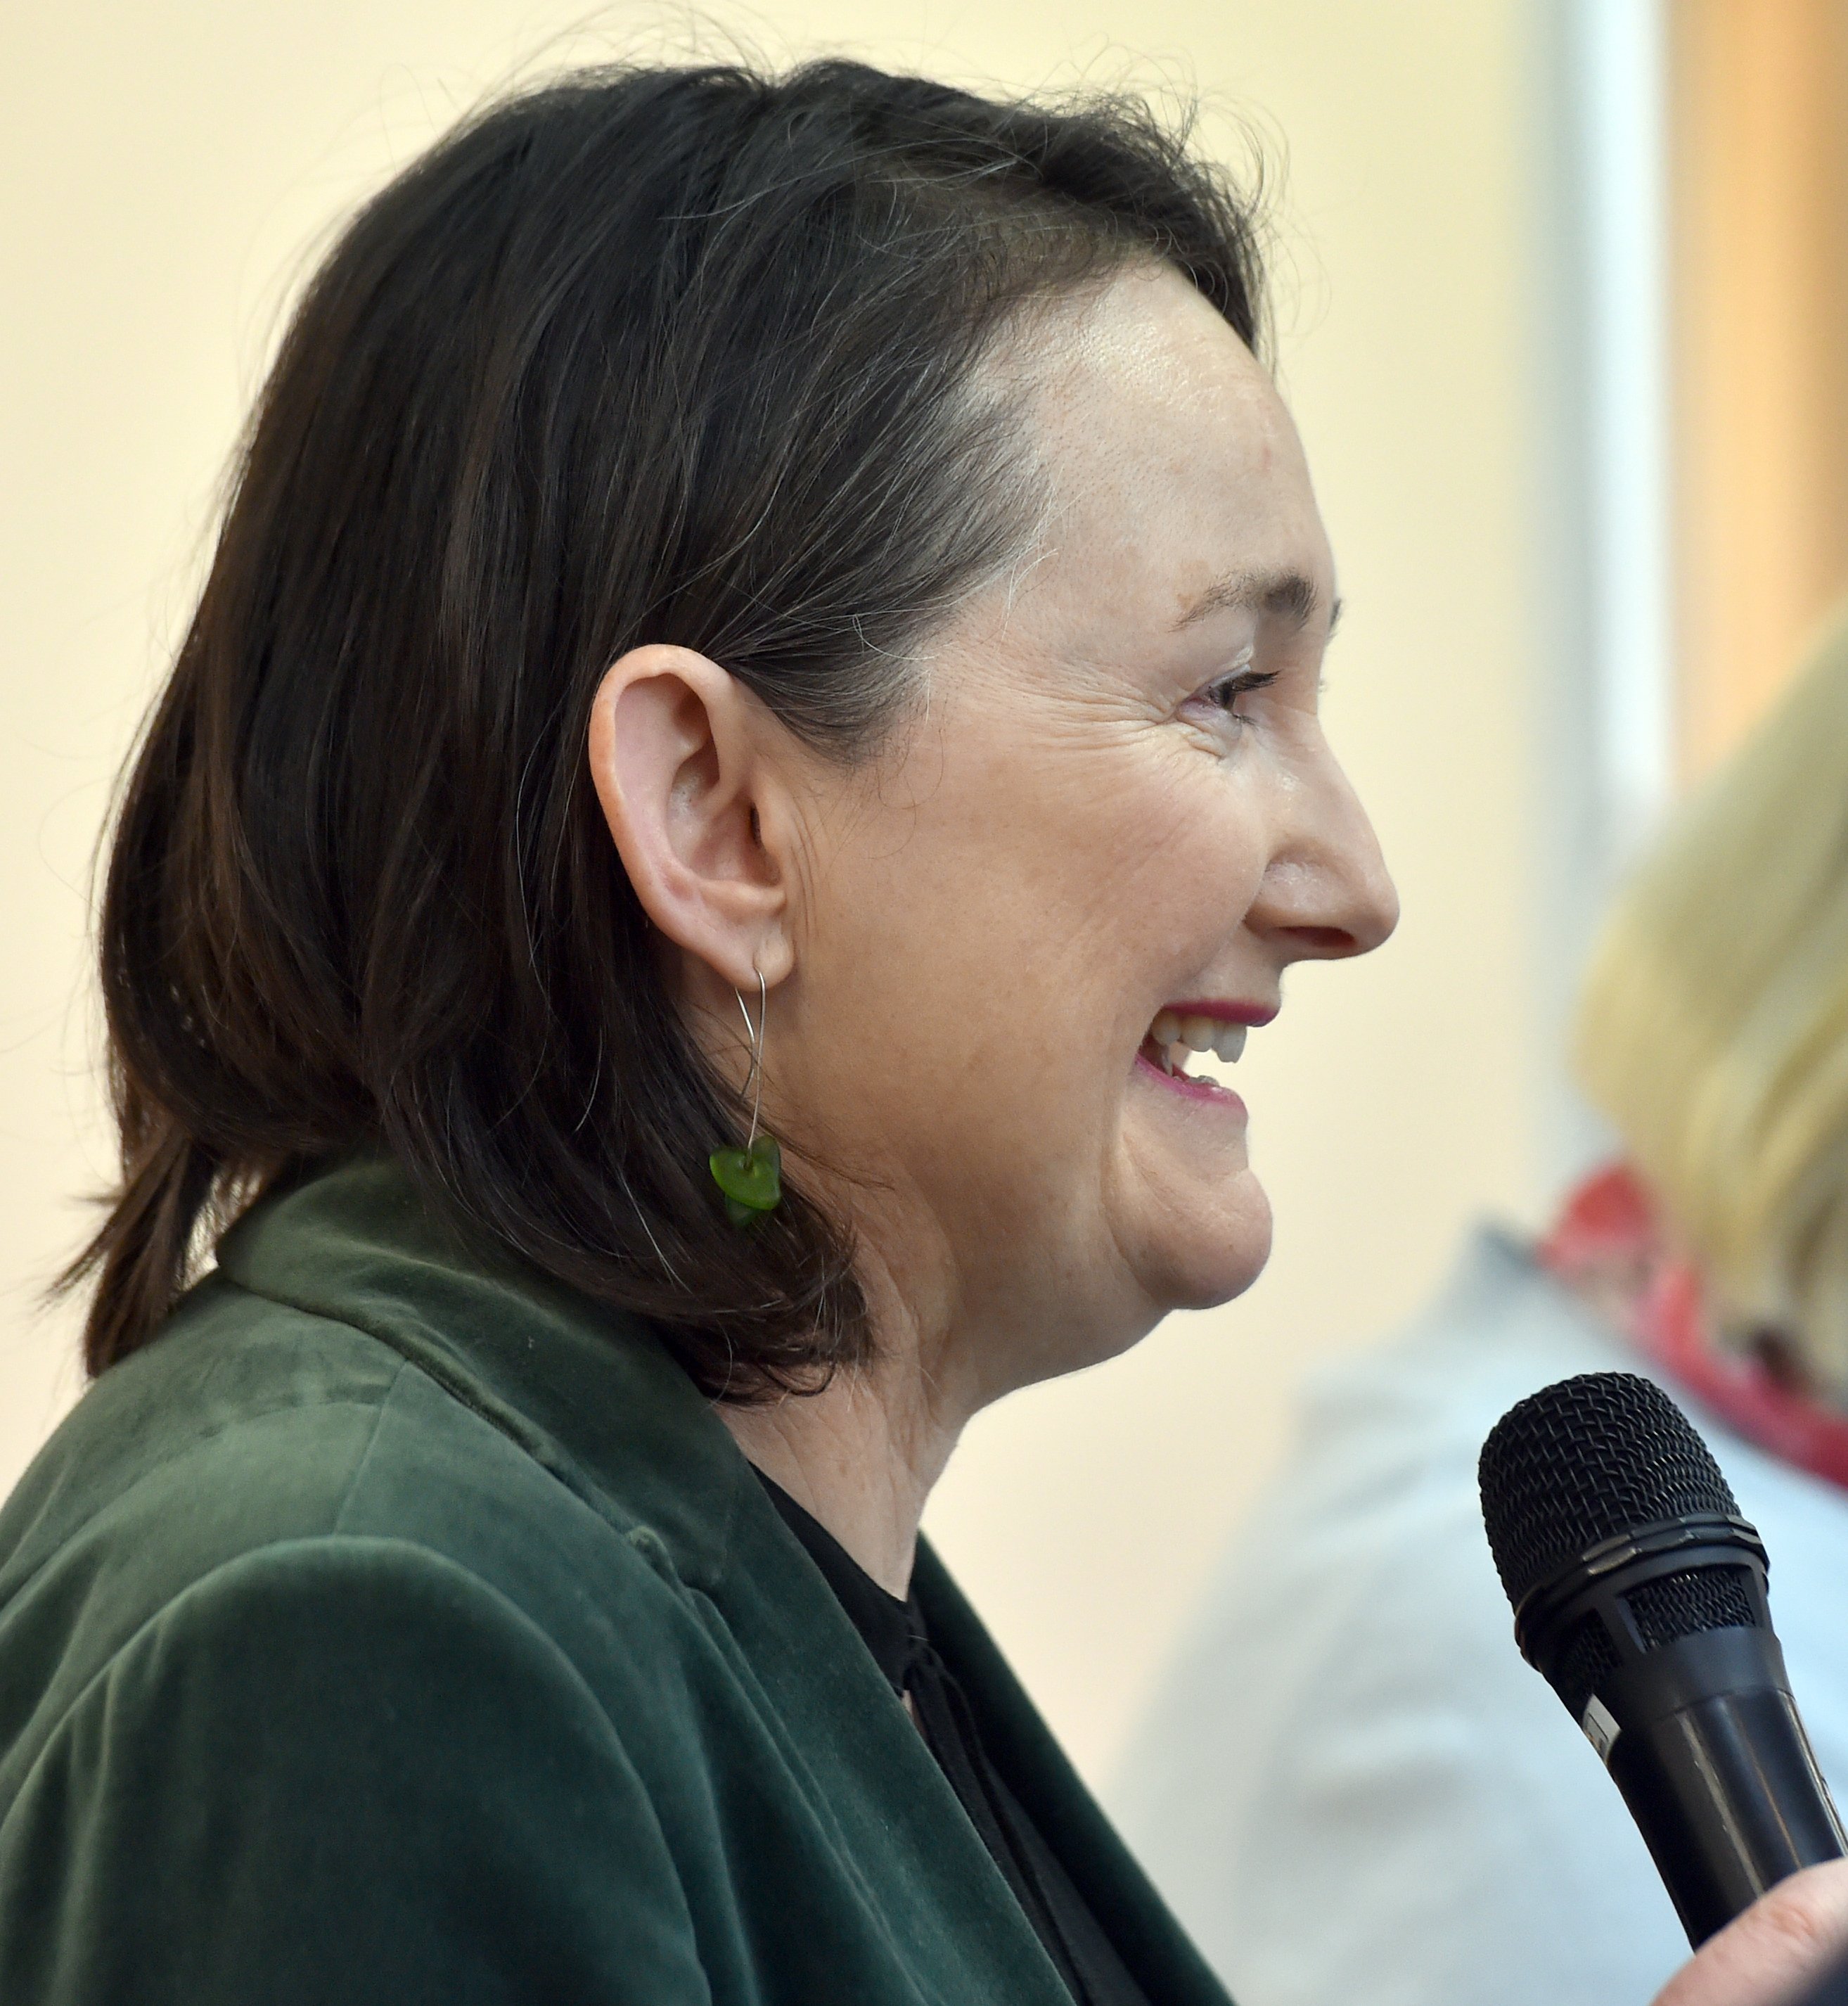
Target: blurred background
1562, 301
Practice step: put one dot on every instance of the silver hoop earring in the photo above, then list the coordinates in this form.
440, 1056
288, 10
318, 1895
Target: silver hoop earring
750, 1179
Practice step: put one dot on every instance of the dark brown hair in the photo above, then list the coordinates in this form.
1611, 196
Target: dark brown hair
675, 355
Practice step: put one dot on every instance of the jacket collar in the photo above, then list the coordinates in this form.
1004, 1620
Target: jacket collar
590, 1392
594, 1397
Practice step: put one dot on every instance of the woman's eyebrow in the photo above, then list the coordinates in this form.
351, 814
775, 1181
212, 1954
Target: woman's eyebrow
1284, 595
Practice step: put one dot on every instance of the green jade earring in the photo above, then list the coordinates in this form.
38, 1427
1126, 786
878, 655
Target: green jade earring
751, 1179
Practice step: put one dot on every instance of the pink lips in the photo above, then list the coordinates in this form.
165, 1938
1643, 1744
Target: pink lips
1193, 1088
1222, 1012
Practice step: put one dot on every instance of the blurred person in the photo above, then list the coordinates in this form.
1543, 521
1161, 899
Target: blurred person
1350, 1785
744, 599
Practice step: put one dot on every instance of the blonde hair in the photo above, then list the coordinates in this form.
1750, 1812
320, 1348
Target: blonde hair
1712, 1023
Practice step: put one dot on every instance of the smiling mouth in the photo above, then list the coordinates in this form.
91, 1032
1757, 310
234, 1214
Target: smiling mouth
1173, 1041
1177, 1037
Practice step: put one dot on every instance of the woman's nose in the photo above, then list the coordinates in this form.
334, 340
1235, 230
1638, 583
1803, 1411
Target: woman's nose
1327, 894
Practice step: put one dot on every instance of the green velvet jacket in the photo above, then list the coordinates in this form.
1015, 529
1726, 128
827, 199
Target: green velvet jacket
394, 1630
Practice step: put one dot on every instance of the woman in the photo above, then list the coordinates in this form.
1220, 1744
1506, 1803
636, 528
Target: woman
746, 600
1350, 1735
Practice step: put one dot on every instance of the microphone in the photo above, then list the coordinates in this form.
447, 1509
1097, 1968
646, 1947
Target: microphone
1639, 1595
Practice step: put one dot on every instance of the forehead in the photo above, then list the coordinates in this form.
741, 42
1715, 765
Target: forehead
1169, 460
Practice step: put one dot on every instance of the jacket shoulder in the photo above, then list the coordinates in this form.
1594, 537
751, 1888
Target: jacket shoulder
251, 1426
283, 1733
251, 1411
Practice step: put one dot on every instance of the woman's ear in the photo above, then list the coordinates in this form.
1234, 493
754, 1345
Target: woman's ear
677, 754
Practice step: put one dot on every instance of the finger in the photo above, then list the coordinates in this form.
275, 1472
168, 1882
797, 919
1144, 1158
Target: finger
1784, 1941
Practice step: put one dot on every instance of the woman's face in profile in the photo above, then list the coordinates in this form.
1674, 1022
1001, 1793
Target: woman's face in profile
1116, 811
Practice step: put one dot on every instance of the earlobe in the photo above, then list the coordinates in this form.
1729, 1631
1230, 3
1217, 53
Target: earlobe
678, 756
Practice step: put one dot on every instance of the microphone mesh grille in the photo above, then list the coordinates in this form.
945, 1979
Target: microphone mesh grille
1678, 1605
1588, 1657
1605, 1453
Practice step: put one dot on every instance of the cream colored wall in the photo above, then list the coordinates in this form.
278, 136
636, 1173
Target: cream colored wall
167, 165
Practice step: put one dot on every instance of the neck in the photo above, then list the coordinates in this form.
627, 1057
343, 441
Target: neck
862, 1456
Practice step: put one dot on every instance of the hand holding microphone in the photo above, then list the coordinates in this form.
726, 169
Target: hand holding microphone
1639, 1594
1773, 1954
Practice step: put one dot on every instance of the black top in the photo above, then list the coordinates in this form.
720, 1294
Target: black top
895, 1633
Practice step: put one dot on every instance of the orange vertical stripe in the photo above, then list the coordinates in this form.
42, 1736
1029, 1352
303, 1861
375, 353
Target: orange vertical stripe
1758, 113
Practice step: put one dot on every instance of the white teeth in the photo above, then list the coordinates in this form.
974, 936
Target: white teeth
1199, 1034
1177, 1038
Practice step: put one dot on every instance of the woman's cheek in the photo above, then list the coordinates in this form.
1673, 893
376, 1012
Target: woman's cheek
1207, 873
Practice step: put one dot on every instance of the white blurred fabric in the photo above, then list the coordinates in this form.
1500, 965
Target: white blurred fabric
1351, 1786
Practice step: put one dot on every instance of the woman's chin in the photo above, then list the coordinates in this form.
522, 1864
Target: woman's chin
1193, 1219
1197, 1262
1195, 1239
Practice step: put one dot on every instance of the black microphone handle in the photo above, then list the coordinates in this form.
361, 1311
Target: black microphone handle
1703, 1739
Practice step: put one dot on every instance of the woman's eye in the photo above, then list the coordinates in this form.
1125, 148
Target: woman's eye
1224, 694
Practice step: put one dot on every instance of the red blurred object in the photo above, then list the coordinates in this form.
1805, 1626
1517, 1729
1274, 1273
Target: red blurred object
1607, 1242
1608, 1220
